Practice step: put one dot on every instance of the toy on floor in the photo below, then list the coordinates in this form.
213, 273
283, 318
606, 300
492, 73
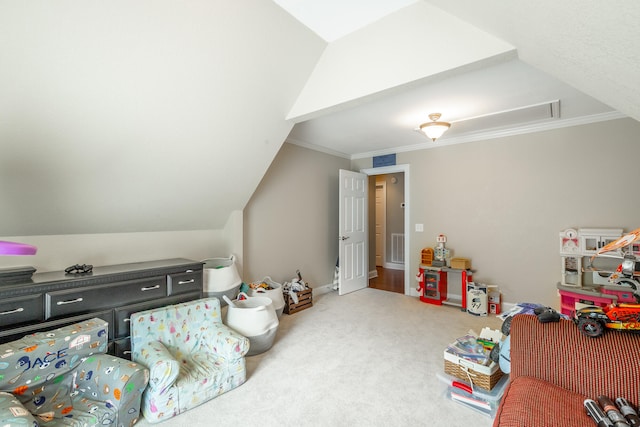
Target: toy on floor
79, 269
627, 410
546, 314
440, 253
593, 321
607, 414
501, 352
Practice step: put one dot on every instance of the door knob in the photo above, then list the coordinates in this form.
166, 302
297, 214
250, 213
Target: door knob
344, 237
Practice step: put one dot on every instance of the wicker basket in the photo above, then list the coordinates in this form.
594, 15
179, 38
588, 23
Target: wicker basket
485, 377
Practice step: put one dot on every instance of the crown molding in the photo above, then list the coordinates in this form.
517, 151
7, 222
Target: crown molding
497, 133
318, 148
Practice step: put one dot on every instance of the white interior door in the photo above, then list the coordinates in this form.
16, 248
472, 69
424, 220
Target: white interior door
353, 238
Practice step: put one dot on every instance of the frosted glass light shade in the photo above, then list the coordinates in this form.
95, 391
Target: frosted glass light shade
434, 129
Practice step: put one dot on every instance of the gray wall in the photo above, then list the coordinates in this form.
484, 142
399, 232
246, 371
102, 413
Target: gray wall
502, 202
291, 221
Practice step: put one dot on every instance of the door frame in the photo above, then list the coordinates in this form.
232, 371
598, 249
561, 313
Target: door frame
407, 224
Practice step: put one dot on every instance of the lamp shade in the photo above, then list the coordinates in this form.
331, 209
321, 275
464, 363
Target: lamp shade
434, 129
13, 248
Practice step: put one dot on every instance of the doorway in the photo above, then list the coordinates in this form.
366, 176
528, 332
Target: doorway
392, 267
388, 280
380, 220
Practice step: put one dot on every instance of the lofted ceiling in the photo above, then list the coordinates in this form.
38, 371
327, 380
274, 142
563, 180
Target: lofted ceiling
564, 59
158, 115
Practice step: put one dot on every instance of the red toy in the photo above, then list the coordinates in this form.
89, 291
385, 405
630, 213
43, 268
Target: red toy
593, 321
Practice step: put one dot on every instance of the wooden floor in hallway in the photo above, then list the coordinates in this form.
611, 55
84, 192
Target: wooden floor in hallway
388, 280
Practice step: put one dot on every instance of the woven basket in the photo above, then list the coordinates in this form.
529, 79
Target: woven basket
469, 375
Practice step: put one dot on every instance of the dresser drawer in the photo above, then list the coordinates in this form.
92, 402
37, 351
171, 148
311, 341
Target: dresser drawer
80, 300
14, 311
122, 348
7, 335
123, 314
188, 281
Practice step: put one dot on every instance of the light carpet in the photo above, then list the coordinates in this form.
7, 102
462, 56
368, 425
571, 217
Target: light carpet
368, 358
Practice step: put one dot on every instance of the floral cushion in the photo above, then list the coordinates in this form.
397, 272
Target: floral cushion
192, 356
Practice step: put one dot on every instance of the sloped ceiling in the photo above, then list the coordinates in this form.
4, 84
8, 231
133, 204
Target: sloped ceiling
593, 46
159, 115
512, 57
142, 115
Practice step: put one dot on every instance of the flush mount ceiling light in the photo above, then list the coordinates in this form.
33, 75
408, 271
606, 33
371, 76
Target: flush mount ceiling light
434, 129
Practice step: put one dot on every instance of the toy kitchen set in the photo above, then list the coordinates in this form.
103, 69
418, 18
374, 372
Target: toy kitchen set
599, 267
449, 281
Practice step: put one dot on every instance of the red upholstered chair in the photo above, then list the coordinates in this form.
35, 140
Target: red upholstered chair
554, 368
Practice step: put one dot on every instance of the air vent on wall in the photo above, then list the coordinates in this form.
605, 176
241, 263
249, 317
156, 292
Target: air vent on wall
510, 118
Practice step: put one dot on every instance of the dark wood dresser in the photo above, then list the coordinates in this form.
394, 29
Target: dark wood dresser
54, 299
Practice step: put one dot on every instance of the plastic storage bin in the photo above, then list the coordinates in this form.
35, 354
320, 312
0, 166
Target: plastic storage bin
274, 294
480, 400
256, 319
221, 278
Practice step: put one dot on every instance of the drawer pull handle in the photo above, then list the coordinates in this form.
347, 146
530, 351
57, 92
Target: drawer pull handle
71, 301
150, 288
17, 310
189, 271
126, 320
126, 352
184, 282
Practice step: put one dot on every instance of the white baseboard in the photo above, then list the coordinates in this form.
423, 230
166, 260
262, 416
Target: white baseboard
505, 307
373, 274
393, 266
324, 289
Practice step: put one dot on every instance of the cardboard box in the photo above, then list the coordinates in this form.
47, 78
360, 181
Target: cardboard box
460, 263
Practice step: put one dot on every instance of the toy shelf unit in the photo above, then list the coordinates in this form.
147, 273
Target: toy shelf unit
571, 270
434, 285
594, 239
578, 246
465, 276
572, 299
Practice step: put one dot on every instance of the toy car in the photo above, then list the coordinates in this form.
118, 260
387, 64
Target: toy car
593, 321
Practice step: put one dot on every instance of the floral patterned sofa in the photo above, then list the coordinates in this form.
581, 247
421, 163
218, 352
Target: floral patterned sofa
192, 356
63, 377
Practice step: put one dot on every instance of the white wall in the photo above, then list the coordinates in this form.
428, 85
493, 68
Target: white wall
60, 251
232, 236
57, 252
502, 202
142, 115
